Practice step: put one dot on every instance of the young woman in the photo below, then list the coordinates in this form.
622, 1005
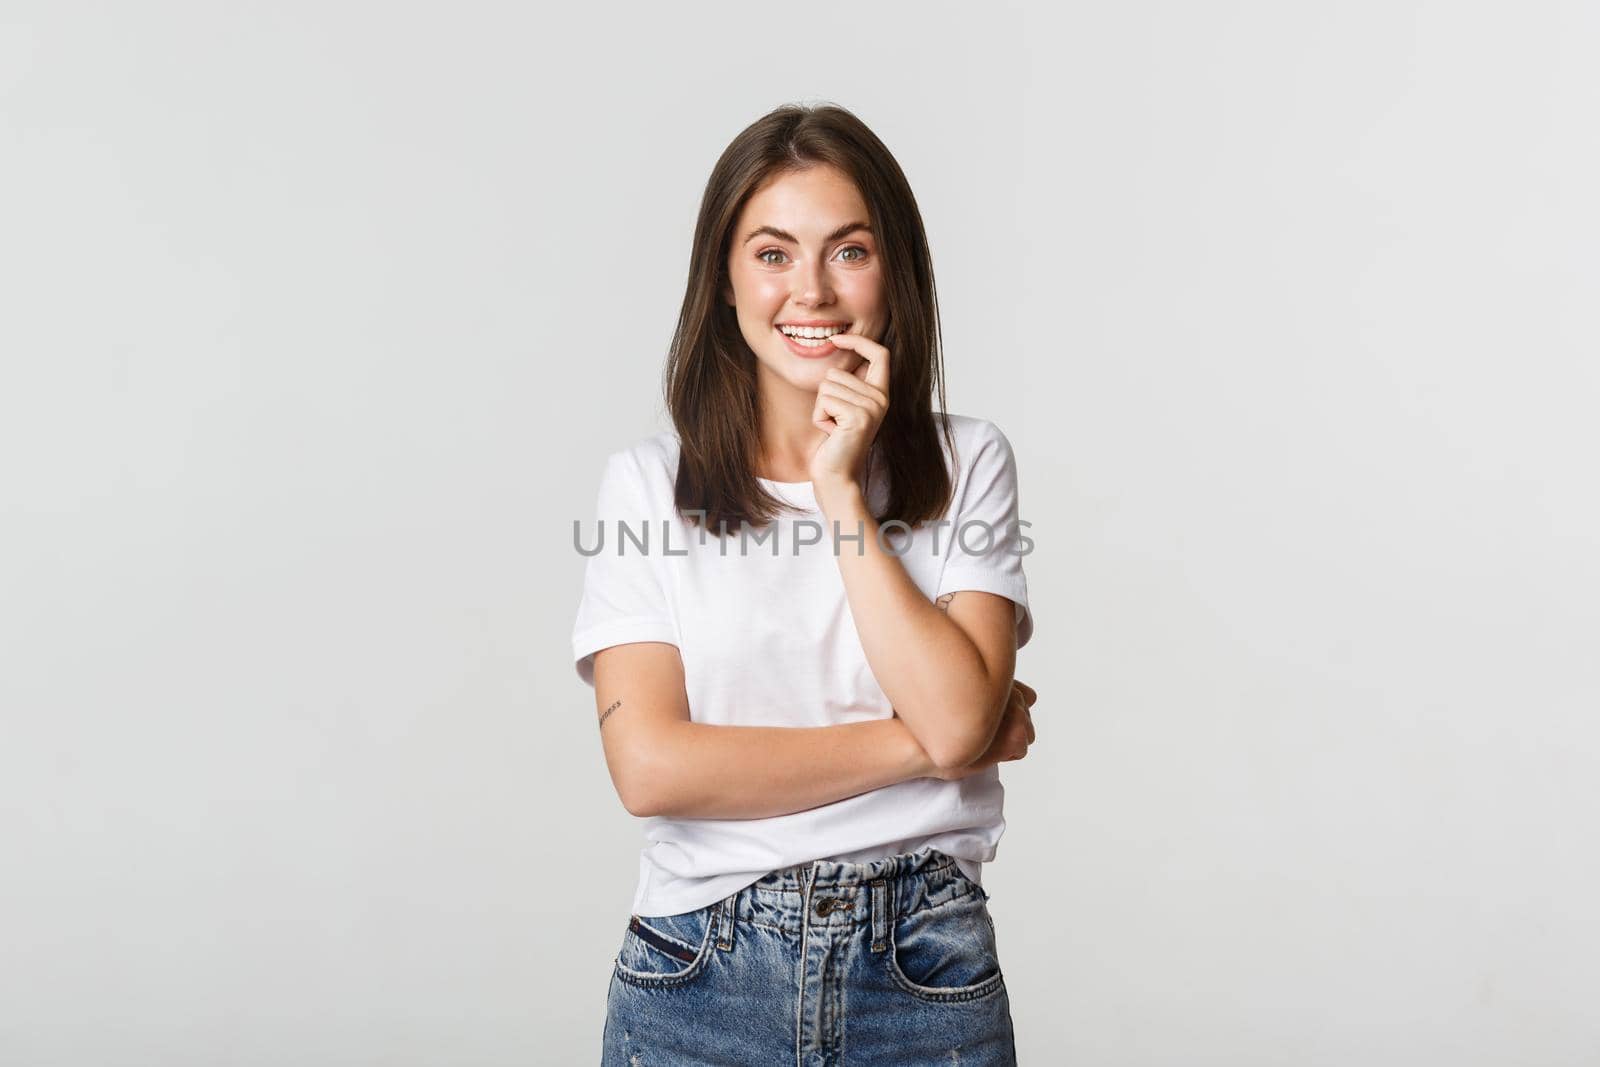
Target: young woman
801, 635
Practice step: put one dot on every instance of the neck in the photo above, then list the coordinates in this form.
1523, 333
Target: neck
788, 436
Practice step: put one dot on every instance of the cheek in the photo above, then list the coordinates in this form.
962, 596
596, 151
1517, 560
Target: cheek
864, 292
770, 294
757, 292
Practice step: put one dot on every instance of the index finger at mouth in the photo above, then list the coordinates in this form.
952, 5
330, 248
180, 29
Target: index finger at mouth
877, 358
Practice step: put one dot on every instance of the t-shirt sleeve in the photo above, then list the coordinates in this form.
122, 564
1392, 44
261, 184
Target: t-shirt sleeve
624, 599
976, 560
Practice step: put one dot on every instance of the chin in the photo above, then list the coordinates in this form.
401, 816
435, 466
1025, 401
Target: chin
810, 377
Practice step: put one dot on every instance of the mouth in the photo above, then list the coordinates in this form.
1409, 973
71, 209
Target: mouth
810, 341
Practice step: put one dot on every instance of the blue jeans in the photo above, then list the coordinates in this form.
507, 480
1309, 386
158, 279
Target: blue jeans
887, 962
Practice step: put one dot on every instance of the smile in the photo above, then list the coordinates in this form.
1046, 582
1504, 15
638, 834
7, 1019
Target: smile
811, 342
810, 347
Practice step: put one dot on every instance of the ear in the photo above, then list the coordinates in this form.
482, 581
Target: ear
727, 295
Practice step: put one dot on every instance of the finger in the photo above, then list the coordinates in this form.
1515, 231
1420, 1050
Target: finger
843, 392
820, 417
844, 413
1027, 691
869, 394
832, 412
876, 355
835, 401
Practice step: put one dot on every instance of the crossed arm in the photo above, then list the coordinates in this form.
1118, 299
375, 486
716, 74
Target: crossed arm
945, 666
661, 763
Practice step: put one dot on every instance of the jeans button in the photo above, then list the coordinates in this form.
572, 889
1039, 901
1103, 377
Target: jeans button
825, 905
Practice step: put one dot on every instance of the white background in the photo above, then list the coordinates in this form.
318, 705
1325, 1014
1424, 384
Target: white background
317, 322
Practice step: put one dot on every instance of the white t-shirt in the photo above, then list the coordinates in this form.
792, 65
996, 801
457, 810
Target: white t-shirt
768, 640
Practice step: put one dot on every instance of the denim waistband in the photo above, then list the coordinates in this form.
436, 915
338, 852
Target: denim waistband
839, 897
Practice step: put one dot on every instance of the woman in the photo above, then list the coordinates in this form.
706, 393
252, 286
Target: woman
802, 639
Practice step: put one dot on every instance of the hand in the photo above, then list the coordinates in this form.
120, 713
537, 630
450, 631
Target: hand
850, 407
1011, 740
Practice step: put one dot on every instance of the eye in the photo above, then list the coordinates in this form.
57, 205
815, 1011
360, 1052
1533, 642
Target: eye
765, 252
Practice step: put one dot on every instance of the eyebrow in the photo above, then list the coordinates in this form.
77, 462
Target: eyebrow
783, 235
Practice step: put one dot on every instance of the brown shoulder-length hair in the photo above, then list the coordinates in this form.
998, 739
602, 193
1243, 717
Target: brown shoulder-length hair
710, 378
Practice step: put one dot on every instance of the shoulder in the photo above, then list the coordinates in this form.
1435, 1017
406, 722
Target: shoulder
978, 442
645, 470
648, 456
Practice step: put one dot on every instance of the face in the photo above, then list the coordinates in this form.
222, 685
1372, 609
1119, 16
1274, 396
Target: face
802, 254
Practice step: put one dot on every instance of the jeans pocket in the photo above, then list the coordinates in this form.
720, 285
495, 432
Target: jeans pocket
962, 877
666, 950
947, 952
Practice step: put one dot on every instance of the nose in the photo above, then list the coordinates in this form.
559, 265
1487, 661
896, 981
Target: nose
811, 286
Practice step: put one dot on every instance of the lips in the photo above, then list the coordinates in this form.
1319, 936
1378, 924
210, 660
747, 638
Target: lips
826, 348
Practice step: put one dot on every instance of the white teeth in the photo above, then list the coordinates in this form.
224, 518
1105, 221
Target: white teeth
811, 331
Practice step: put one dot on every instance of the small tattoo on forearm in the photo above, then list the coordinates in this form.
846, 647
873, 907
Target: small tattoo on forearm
604, 715
944, 602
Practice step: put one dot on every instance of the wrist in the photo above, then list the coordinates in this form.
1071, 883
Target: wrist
911, 758
838, 499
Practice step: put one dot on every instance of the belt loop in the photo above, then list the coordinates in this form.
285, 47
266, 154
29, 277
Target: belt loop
880, 915
726, 915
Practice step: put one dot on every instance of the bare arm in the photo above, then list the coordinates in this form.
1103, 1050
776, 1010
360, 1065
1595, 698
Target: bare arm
947, 667
663, 764
752, 772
